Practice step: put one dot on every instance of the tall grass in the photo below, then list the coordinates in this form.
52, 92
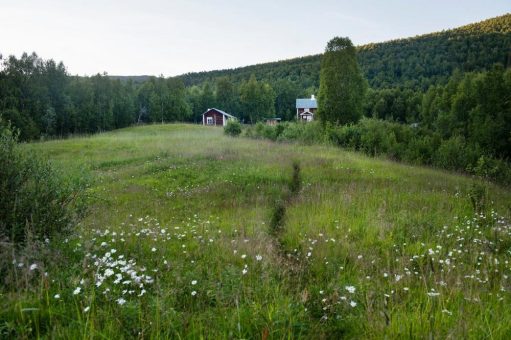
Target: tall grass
369, 248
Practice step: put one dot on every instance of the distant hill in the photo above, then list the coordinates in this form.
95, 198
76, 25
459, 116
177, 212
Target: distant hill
415, 62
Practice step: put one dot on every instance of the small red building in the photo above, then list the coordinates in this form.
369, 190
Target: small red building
216, 117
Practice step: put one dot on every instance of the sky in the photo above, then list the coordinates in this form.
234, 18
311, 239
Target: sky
153, 37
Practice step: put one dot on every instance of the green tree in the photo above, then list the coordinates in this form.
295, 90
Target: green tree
286, 94
226, 95
207, 98
342, 86
257, 100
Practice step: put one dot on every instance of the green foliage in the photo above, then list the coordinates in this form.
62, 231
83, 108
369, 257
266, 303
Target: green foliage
415, 63
309, 133
232, 128
342, 86
285, 100
226, 96
256, 100
36, 200
40, 99
395, 141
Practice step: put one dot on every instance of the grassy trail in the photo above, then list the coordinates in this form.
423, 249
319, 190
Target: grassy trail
178, 244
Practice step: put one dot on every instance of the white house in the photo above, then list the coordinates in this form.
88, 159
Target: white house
306, 109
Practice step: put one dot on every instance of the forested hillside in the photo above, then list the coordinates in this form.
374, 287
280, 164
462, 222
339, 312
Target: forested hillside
416, 62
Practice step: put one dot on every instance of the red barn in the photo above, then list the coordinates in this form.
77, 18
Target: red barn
216, 117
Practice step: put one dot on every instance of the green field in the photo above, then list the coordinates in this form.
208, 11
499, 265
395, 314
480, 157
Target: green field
179, 243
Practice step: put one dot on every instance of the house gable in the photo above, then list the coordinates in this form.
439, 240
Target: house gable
216, 117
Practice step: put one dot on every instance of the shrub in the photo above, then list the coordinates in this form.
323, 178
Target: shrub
490, 168
420, 150
452, 154
308, 133
376, 138
36, 201
232, 128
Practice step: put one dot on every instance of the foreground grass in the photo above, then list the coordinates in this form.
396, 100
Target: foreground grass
179, 244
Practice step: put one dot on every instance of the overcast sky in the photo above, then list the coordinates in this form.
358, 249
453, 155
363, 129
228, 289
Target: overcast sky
178, 36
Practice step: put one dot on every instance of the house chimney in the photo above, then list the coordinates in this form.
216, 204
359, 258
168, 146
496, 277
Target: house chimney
312, 97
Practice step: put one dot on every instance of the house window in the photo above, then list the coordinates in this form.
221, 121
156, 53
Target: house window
209, 120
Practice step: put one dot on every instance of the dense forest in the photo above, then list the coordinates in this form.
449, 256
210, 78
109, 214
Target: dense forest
454, 83
415, 63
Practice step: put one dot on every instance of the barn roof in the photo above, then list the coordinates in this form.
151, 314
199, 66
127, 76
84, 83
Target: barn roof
219, 111
306, 103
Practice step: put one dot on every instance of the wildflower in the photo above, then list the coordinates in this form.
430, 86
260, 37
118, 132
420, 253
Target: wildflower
243, 256
350, 289
86, 309
33, 266
353, 304
259, 257
121, 301
244, 271
432, 294
446, 311
77, 291
194, 282
153, 249
194, 293
56, 296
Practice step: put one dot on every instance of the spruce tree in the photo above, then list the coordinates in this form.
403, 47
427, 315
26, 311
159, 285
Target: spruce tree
341, 84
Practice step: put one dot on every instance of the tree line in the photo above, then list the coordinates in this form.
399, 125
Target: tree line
39, 98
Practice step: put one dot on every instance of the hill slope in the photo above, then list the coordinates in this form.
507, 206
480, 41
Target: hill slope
413, 62
364, 248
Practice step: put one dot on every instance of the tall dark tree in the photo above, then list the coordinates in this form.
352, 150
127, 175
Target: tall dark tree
341, 84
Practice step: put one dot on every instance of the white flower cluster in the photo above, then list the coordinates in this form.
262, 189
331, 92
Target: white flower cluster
111, 272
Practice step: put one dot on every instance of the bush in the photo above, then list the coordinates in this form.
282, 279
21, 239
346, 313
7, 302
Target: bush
420, 150
36, 201
308, 133
376, 137
232, 128
452, 154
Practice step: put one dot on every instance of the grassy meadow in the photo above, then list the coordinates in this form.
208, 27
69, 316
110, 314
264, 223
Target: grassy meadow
193, 234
